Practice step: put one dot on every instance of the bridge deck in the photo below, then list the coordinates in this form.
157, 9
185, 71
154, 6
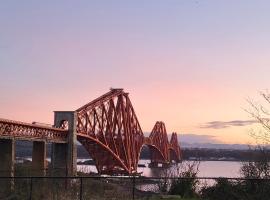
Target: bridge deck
32, 132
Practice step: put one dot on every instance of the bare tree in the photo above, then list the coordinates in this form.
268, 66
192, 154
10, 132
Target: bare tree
259, 164
260, 113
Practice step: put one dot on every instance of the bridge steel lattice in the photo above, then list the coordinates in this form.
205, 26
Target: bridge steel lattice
110, 131
107, 127
19, 130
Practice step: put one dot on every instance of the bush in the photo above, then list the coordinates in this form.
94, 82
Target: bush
186, 185
252, 188
223, 189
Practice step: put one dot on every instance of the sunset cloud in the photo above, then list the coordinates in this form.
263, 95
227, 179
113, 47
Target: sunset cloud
227, 124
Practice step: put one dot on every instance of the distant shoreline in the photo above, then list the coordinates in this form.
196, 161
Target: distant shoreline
24, 150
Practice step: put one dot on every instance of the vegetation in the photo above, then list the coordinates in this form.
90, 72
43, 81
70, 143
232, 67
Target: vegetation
186, 187
260, 112
169, 197
180, 180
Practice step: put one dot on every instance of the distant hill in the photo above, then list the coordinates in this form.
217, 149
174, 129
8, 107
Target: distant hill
214, 146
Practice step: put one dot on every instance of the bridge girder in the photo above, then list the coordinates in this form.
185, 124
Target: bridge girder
109, 130
25, 131
175, 147
114, 135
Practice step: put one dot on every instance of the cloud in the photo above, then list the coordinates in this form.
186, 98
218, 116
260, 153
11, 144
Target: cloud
227, 124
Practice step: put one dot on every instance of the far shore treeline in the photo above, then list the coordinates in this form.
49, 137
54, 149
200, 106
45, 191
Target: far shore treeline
24, 149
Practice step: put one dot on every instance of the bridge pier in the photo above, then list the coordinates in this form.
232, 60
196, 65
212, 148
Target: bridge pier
64, 155
159, 165
39, 158
7, 161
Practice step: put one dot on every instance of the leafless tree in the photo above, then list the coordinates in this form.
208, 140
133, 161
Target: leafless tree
260, 113
259, 164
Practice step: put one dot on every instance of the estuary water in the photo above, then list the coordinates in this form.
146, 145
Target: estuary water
206, 168
213, 169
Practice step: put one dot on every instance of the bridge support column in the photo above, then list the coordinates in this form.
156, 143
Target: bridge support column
64, 156
7, 161
39, 158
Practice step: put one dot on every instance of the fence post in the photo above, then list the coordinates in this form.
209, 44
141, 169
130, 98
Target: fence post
133, 188
81, 188
31, 187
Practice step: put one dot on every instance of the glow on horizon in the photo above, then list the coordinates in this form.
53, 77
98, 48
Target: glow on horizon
183, 62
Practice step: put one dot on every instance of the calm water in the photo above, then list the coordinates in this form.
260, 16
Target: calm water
206, 169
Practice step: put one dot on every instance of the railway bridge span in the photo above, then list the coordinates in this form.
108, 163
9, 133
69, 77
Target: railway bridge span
107, 127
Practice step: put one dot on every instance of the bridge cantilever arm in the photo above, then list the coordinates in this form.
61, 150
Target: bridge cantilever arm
109, 95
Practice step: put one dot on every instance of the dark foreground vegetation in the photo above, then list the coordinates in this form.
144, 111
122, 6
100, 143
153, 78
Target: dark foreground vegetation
180, 183
97, 188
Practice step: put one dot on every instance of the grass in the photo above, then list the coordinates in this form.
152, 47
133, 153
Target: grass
94, 189
169, 197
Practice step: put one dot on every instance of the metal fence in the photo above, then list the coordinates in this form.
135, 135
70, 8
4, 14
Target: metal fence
125, 187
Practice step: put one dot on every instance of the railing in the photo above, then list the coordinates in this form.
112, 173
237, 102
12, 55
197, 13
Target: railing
125, 188
33, 132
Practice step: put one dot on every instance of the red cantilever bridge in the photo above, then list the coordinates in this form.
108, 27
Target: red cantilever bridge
107, 127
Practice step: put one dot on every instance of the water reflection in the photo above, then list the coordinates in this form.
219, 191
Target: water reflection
206, 169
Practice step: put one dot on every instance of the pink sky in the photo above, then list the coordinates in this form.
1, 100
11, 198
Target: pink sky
186, 63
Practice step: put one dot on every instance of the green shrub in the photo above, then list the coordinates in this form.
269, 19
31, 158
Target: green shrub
187, 183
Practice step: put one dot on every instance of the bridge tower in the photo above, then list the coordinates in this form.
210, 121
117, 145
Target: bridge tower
64, 155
